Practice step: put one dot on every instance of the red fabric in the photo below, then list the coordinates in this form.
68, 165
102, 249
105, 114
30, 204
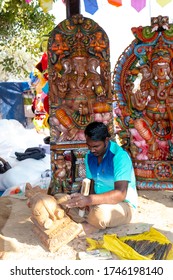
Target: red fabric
46, 104
44, 61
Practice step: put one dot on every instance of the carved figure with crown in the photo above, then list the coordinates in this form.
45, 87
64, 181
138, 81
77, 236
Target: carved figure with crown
79, 93
79, 78
147, 91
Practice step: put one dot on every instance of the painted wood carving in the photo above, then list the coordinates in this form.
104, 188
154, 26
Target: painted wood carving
80, 92
143, 103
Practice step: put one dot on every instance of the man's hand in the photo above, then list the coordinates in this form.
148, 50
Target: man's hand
77, 200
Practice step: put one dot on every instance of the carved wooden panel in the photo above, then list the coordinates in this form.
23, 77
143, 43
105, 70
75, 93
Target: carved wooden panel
80, 92
143, 106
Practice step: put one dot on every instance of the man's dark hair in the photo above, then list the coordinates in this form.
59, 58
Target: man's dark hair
97, 131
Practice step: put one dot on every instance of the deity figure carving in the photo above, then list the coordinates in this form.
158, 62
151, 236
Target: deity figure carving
62, 173
98, 44
156, 97
147, 85
59, 46
45, 210
79, 92
83, 95
79, 74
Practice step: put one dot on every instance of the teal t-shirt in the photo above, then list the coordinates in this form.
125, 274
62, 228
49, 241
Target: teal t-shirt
115, 166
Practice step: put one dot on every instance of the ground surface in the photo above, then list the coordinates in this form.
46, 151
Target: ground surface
18, 241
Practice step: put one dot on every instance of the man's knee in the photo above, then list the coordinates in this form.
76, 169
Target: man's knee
98, 217
103, 216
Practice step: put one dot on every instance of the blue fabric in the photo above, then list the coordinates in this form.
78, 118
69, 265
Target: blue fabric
34, 78
11, 101
1, 192
115, 166
45, 89
91, 6
25, 86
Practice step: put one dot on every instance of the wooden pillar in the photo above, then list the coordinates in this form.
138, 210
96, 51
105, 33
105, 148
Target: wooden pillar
72, 8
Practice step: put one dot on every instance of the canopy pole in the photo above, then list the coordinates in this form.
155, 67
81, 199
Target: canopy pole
72, 8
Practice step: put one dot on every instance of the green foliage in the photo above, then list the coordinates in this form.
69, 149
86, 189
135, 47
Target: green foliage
23, 27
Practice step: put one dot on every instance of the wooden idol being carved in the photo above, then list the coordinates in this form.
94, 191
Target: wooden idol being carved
50, 223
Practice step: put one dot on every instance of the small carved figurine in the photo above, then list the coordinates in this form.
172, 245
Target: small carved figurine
44, 207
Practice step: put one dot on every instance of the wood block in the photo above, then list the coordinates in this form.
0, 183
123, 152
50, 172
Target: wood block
62, 232
57, 224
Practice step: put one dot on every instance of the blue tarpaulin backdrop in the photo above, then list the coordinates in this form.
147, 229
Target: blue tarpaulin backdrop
11, 100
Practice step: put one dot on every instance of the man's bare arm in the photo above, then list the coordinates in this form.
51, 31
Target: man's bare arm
112, 197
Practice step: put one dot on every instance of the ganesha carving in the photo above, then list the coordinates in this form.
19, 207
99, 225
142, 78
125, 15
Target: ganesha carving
79, 77
147, 92
79, 91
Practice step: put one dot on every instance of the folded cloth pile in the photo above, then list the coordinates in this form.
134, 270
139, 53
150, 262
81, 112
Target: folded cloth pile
35, 152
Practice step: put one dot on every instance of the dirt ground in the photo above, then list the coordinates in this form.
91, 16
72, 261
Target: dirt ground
19, 242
